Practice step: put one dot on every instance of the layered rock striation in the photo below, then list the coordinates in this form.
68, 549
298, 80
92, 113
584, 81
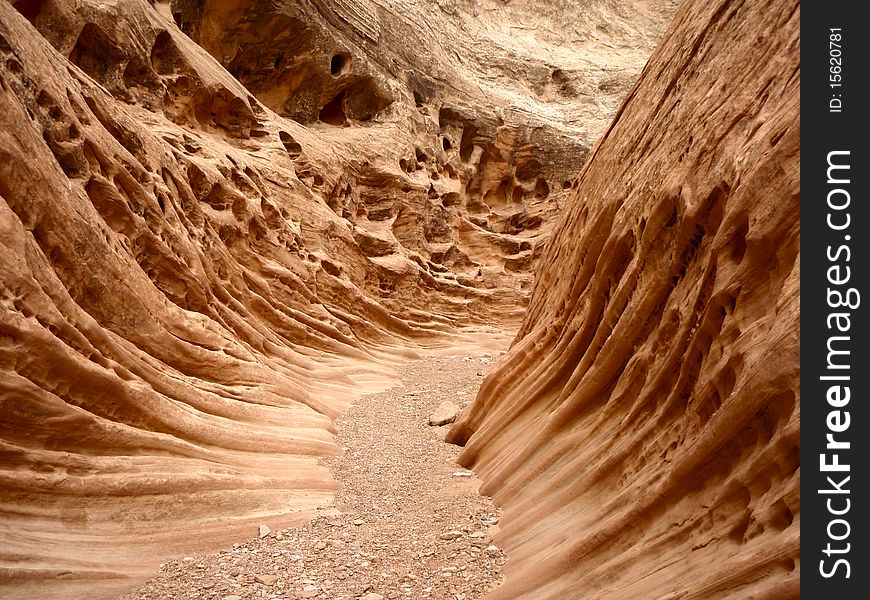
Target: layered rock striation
221, 222
643, 431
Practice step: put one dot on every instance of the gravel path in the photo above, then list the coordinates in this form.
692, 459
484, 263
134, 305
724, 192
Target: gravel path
408, 522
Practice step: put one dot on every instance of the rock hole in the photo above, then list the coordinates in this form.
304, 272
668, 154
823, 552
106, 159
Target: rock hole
29, 9
44, 99
13, 65
451, 199
566, 184
727, 381
278, 60
738, 241
781, 516
738, 532
97, 54
446, 144
294, 149
163, 53
330, 267
333, 112
466, 144
337, 64
542, 190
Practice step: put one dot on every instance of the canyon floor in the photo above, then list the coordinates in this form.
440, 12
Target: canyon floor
407, 523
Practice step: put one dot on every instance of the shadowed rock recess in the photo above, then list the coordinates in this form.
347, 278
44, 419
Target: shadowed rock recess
642, 434
221, 222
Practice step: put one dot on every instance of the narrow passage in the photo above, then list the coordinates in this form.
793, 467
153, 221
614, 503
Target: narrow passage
408, 522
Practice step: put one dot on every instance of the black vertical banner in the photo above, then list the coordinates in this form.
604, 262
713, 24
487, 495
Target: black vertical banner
835, 301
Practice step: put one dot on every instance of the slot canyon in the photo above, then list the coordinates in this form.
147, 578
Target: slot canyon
379, 299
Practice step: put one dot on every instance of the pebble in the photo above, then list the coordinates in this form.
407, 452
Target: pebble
264, 531
266, 579
451, 535
444, 414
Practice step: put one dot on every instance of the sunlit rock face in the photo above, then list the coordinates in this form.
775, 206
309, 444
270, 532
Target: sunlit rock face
643, 431
206, 252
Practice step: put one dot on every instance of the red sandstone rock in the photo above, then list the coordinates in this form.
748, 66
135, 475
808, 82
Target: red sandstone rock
192, 286
643, 432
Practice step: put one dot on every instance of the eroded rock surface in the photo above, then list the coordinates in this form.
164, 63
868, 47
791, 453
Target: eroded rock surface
643, 432
204, 257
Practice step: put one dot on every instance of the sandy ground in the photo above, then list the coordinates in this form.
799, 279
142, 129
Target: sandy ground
408, 522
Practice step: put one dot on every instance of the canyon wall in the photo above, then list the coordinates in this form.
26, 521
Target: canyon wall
643, 431
207, 252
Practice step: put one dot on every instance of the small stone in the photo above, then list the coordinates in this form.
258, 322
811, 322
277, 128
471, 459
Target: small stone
207, 585
477, 535
451, 535
444, 414
266, 579
264, 531
336, 543
372, 596
232, 597
358, 522
493, 550
463, 474
309, 591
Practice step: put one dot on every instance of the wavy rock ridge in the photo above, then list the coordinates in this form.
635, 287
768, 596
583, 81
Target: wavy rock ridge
207, 251
643, 431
